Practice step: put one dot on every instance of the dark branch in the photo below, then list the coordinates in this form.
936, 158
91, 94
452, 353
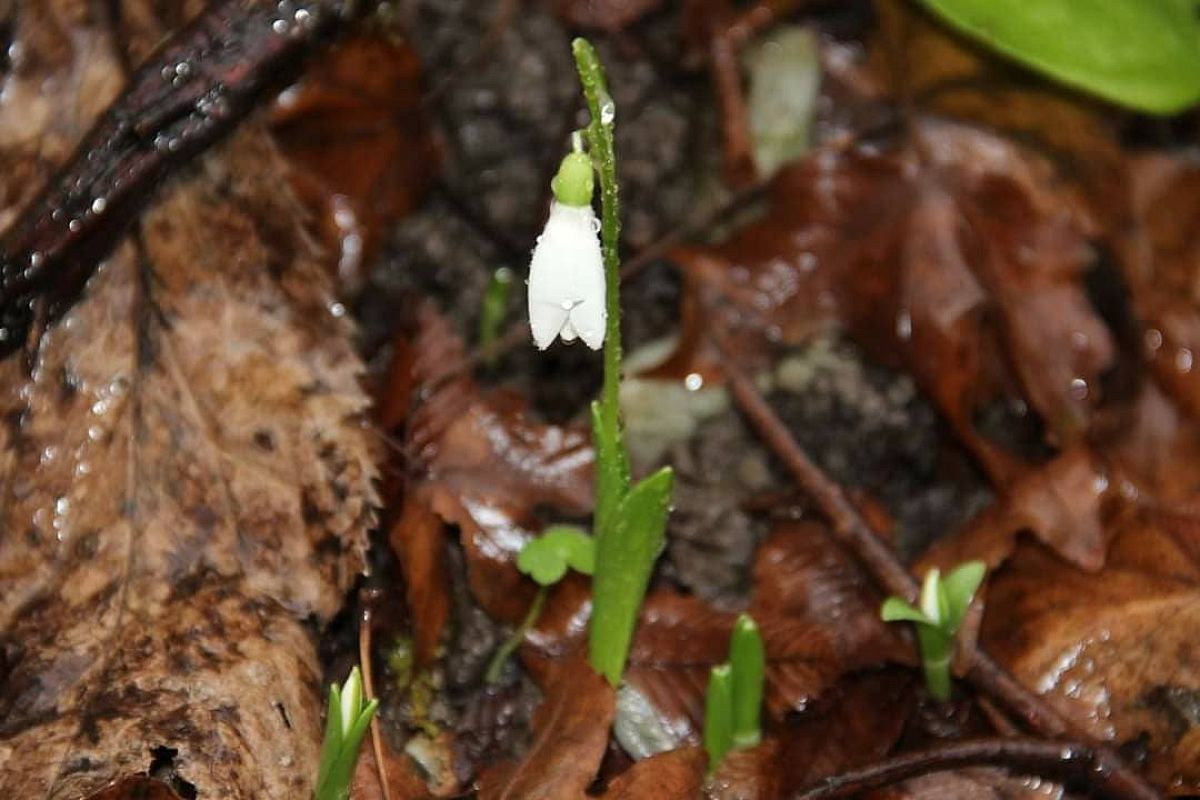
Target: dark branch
1070, 763
193, 91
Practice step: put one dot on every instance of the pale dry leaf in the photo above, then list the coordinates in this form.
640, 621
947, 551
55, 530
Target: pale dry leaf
187, 480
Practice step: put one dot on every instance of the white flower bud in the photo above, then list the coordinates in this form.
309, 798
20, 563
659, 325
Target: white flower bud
566, 279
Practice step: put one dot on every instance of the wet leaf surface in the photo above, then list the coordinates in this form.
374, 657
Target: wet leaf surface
360, 145
571, 734
188, 472
1115, 651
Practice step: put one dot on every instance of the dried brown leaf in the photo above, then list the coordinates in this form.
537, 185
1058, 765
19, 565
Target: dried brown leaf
418, 539
488, 467
1117, 652
855, 724
982, 783
360, 145
1062, 503
673, 775
746, 775
571, 735
819, 618
186, 477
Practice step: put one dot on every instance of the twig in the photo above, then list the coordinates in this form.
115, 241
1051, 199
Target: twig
852, 530
192, 92
1062, 762
365, 629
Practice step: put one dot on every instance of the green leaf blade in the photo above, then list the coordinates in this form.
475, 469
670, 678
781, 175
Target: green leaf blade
748, 659
547, 557
896, 610
718, 715
1144, 54
960, 586
625, 558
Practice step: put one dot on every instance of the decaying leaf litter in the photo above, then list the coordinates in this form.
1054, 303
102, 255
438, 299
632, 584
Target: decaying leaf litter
971, 304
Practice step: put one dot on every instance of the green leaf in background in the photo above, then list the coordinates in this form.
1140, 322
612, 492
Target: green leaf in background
1144, 54
546, 558
625, 558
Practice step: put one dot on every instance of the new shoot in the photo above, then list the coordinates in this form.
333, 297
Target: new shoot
546, 560
346, 721
944, 604
733, 705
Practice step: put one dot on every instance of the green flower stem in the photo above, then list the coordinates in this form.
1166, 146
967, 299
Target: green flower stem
936, 651
748, 659
600, 141
718, 715
496, 665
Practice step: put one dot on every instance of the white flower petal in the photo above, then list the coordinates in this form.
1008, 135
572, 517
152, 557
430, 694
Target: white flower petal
566, 279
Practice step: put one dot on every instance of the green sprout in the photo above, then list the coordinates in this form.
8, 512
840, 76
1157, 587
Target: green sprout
733, 704
493, 309
748, 658
346, 721
546, 559
718, 715
944, 604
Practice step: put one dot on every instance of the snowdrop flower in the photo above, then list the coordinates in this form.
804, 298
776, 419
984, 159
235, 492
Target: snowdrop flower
566, 275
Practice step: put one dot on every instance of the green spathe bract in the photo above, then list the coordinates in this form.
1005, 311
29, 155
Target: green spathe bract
346, 721
1144, 54
629, 521
943, 607
574, 184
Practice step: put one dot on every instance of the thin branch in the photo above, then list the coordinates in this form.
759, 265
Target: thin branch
852, 530
1063, 762
192, 92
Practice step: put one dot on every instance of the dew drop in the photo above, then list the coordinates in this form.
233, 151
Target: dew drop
1183, 360
98, 205
595, 225
694, 381
608, 111
1154, 339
